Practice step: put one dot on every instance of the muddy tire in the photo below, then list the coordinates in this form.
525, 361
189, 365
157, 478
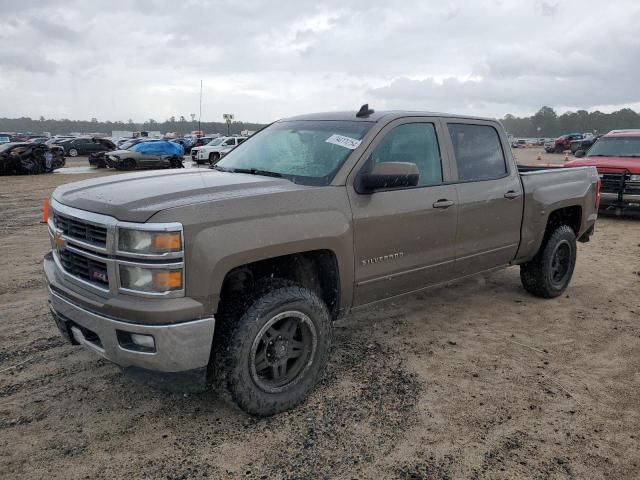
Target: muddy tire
275, 352
548, 274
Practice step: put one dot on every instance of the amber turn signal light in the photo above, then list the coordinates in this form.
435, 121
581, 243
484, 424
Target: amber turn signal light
167, 280
167, 242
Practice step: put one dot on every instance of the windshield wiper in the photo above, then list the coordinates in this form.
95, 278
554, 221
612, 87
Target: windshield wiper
250, 171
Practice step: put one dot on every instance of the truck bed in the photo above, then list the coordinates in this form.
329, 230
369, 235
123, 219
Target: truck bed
547, 189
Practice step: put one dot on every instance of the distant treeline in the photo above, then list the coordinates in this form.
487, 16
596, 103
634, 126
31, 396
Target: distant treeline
59, 127
547, 123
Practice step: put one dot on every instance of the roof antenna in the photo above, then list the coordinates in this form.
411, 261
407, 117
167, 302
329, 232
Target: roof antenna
365, 111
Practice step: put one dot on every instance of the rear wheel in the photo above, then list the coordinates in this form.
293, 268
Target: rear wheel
548, 274
175, 162
277, 351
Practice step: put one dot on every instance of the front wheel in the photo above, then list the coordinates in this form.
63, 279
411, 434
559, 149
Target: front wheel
73, 152
214, 158
128, 164
277, 351
548, 274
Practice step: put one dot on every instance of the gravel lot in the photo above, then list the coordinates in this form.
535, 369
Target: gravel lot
473, 380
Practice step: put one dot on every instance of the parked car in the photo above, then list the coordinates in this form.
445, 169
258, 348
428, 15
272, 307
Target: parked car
563, 142
38, 140
215, 150
4, 139
199, 142
520, 143
583, 144
29, 158
186, 143
98, 159
549, 146
616, 155
58, 140
238, 273
149, 154
82, 146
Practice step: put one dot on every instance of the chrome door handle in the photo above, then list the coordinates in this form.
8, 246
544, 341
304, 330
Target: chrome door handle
511, 194
443, 203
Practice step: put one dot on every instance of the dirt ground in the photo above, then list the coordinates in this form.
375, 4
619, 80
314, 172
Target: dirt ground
473, 380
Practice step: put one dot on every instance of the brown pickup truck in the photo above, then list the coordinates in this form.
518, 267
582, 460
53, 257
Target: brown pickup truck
236, 273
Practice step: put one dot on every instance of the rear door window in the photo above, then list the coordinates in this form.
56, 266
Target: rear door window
478, 152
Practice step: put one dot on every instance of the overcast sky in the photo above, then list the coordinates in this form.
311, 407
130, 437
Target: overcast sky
263, 60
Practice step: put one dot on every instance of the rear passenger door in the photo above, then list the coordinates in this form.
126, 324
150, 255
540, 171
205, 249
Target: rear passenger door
489, 194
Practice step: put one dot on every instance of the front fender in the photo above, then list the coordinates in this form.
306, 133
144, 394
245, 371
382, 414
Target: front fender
223, 235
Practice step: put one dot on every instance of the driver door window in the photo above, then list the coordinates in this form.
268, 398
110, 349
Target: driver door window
415, 143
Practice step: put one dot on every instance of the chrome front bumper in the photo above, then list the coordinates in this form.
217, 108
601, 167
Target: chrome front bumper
178, 347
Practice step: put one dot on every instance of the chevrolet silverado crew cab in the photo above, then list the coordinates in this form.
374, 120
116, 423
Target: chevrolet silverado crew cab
234, 275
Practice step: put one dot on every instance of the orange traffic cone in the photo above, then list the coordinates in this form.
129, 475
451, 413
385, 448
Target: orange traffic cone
539, 158
45, 211
566, 156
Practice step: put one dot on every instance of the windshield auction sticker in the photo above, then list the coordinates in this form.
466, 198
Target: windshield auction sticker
346, 142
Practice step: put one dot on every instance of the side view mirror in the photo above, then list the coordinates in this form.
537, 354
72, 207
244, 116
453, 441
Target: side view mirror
580, 153
388, 175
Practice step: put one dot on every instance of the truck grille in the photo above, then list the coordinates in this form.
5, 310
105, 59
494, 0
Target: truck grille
85, 268
81, 230
612, 182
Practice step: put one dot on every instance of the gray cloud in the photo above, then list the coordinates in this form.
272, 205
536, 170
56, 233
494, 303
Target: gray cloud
263, 60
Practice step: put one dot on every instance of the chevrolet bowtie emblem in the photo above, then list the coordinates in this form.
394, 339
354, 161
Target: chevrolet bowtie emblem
58, 240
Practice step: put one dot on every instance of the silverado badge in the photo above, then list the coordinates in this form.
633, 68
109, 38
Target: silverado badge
383, 258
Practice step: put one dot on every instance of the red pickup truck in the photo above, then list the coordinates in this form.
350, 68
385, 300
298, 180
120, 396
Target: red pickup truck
616, 155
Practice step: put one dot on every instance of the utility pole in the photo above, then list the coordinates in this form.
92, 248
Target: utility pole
200, 117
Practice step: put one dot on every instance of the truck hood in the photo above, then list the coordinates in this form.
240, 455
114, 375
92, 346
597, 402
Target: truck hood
136, 197
608, 163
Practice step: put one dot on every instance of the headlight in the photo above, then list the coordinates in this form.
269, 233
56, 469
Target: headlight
148, 242
634, 178
150, 280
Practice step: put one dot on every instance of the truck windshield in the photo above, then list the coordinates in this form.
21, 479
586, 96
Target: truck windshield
616, 147
308, 152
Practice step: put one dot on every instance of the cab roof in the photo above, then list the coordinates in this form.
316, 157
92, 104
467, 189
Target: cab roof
375, 117
630, 132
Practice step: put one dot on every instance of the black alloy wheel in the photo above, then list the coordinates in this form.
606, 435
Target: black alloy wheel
283, 350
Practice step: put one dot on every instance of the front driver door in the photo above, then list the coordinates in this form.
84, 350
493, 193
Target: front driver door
403, 238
